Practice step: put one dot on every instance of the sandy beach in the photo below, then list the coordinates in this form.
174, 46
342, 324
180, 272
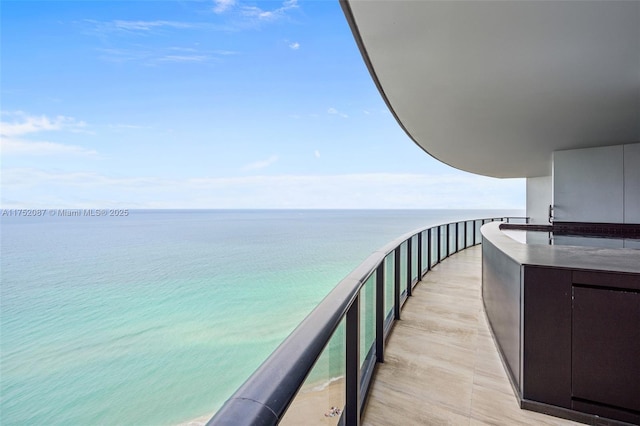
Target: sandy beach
200, 421
308, 408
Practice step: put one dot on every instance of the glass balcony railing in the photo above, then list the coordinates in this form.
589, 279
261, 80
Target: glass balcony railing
327, 362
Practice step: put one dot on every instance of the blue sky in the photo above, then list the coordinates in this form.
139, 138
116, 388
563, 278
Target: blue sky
207, 104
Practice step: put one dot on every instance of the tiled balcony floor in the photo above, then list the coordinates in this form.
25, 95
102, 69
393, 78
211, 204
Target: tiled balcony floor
441, 364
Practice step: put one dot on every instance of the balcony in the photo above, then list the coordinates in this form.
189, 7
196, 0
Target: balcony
441, 364
351, 361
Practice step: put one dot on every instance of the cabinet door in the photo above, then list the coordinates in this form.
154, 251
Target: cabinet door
547, 336
606, 347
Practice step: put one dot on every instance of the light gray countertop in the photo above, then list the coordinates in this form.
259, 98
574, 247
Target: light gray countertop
589, 258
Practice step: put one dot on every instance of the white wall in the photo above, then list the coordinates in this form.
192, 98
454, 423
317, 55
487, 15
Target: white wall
539, 197
597, 184
632, 183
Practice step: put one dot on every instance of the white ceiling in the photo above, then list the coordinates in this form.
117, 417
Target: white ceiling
494, 87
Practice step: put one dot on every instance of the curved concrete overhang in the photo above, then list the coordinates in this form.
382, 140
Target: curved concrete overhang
494, 87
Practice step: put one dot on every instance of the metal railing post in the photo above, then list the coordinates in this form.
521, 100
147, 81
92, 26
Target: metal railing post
396, 284
466, 242
446, 237
439, 244
420, 255
474, 232
409, 265
429, 249
380, 313
352, 379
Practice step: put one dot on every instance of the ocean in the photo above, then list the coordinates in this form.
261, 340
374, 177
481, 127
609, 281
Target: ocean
155, 318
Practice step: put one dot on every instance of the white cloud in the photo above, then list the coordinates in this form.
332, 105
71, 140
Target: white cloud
182, 49
294, 45
224, 52
108, 29
316, 153
262, 164
23, 147
334, 111
268, 15
127, 126
155, 56
149, 25
183, 58
34, 124
13, 142
289, 4
254, 11
222, 6
243, 17
121, 55
39, 189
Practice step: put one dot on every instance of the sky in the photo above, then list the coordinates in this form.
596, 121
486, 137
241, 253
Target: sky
207, 104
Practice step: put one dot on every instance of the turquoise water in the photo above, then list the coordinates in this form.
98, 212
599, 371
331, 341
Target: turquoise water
157, 317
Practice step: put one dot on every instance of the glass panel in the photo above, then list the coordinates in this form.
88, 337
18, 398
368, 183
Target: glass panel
434, 245
367, 317
461, 234
389, 274
452, 238
321, 398
478, 234
403, 267
414, 258
443, 242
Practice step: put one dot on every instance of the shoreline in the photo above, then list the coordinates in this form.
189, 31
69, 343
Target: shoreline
198, 421
311, 406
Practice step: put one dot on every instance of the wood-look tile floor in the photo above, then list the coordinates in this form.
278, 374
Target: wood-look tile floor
441, 365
